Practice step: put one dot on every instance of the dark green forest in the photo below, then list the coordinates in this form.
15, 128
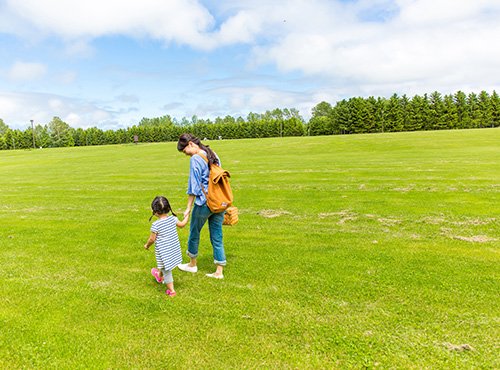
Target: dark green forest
350, 116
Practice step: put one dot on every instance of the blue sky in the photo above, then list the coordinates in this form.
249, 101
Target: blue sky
110, 63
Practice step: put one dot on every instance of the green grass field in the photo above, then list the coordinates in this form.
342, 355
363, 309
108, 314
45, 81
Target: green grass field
352, 251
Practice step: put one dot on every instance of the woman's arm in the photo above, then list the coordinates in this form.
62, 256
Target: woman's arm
198, 176
191, 198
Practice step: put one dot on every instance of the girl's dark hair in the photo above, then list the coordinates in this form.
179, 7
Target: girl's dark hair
184, 140
161, 206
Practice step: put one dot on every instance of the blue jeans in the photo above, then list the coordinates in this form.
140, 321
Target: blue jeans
199, 216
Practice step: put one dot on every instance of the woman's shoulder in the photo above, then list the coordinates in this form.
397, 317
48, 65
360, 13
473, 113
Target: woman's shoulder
198, 159
201, 154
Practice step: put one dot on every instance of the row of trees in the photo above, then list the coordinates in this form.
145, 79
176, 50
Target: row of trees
355, 115
58, 133
428, 112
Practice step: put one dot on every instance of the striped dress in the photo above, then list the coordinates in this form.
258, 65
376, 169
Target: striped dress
167, 245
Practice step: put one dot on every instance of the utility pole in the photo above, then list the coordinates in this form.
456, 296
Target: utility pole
33, 131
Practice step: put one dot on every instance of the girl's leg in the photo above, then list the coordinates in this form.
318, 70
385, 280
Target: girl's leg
158, 272
168, 279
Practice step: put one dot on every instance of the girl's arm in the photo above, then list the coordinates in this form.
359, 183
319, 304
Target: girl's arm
183, 223
151, 240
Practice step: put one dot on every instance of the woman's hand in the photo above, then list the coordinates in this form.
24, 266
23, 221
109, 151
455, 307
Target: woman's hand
187, 212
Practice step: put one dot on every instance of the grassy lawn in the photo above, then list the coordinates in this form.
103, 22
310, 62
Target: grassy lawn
352, 251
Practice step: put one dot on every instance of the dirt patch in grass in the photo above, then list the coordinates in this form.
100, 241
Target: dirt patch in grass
345, 215
436, 220
475, 238
389, 221
405, 189
272, 213
471, 239
433, 220
475, 221
458, 347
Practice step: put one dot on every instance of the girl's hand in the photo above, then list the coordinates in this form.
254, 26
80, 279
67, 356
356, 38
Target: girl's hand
146, 246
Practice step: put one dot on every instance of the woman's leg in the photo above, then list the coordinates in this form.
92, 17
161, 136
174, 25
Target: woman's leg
198, 218
216, 238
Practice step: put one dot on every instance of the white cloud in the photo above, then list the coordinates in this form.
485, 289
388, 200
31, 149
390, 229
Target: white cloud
428, 43
128, 98
24, 71
67, 77
80, 47
242, 100
8, 105
16, 108
182, 21
434, 12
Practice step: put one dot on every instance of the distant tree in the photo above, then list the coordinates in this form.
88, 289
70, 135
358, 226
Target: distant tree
418, 113
379, 118
342, 117
60, 133
42, 136
463, 117
360, 115
474, 112
495, 109
3, 130
17, 139
321, 121
322, 109
121, 136
3, 127
436, 108
79, 137
449, 119
374, 113
294, 124
485, 111
94, 136
394, 114
8, 140
405, 107
158, 121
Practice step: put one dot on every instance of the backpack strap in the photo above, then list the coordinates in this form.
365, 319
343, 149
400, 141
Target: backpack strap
204, 157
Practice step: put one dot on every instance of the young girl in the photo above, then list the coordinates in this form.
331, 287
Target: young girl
167, 245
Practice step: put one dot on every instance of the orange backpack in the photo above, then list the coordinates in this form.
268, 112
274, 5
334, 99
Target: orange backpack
220, 195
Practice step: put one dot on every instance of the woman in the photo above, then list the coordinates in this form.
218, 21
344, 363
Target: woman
198, 177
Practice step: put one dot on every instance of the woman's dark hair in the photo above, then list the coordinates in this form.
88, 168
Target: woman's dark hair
184, 140
161, 206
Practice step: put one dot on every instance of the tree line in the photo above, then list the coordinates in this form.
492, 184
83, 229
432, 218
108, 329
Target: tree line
349, 116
